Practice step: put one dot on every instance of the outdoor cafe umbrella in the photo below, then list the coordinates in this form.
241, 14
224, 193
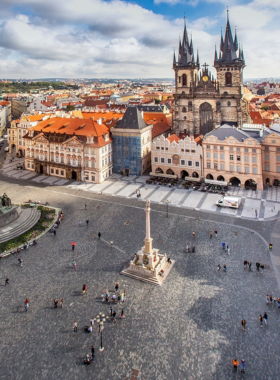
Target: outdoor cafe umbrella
73, 243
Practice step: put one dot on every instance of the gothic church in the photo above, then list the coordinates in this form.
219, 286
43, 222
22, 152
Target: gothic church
201, 102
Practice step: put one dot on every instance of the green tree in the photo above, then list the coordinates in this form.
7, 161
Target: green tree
265, 108
157, 101
69, 108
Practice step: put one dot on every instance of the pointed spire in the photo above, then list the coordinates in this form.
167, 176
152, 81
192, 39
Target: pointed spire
216, 54
174, 59
235, 41
242, 53
191, 46
180, 45
197, 59
222, 41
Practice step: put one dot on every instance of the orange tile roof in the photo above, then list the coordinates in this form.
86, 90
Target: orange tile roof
48, 104
4, 103
151, 117
173, 138
36, 117
108, 118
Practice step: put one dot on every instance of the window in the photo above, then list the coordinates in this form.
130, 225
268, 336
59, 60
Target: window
231, 157
215, 166
184, 109
254, 150
68, 161
246, 158
229, 104
221, 148
79, 163
93, 178
197, 164
246, 169
254, 159
273, 141
179, 79
62, 160
208, 146
57, 172
190, 106
92, 151
79, 150
52, 158
278, 149
28, 165
102, 163
238, 168
277, 158
169, 160
56, 147
158, 148
41, 157
184, 77
215, 147
222, 166
74, 150
255, 171
106, 161
238, 149
183, 162
246, 150
46, 157
231, 168
222, 156
215, 155
228, 79
278, 169
52, 171
162, 160
238, 158
189, 163
61, 172
57, 159
74, 162
266, 148
92, 164
86, 164
266, 157
208, 165
208, 154
156, 159
267, 167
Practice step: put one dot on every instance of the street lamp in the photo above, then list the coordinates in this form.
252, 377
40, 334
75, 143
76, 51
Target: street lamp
101, 319
167, 203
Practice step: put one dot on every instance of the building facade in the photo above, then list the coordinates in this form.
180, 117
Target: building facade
201, 103
68, 148
233, 155
173, 156
132, 143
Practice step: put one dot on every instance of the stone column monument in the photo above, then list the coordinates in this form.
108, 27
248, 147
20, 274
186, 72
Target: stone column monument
147, 264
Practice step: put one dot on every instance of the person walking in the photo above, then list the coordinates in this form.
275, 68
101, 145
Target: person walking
250, 266
92, 353
262, 267
111, 311
229, 251
74, 264
243, 366
73, 247
211, 234
256, 213
218, 267
225, 268
193, 234
261, 320
111, 242
61, 302
114, 317
122, 314
117, 285
258, 266
267, 299
265, 316
243, 324
85, 206
75, 327
270, 299
99, 235
26, 305
216, 233
235, 364
84, 289
54, 232
7, 281
55, 302
87, 222
80, 223
270, 246
224, 245
245, 262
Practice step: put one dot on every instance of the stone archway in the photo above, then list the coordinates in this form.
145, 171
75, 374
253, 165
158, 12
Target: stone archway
159, 170
220, 178
235, 181
206, 118
184, 174
74, 175
170, 171
195, 175
276, 182
209, 176
250, 184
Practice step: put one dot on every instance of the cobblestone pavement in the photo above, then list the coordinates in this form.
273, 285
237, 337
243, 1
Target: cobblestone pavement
267, 202
190, 328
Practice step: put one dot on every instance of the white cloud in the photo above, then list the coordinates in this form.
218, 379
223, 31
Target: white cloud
96, 38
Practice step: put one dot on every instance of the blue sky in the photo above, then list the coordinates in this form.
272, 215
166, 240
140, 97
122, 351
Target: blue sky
115, 38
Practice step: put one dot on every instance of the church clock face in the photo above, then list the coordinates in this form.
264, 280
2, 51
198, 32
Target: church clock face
205, 78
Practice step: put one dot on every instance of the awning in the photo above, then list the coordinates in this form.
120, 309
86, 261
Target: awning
163, 175
213, 182
193, 179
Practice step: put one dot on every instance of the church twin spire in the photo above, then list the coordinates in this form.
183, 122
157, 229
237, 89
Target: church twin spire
186, 56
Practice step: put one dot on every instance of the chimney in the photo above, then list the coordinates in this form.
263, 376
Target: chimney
142, 114
261, 132
99, 121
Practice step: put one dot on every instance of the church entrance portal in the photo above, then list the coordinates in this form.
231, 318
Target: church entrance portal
41, 169
74, 175
206, 118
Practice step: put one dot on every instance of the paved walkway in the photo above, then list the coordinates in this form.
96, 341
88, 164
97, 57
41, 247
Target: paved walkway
267, 202
188, 329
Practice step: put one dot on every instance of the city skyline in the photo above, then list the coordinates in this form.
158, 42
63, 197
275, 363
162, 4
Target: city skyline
121, 39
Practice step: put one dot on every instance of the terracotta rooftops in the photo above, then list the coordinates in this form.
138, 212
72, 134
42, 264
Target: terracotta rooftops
173, 138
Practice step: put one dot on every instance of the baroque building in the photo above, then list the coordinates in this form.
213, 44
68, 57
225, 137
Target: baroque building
202, 102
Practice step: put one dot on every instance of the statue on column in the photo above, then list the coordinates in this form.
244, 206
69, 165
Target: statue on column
148, 204
5, 201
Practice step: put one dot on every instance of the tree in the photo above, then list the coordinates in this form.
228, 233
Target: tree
265, 108
157, 101
69, 108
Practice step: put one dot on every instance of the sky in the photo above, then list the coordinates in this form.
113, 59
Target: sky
130, 39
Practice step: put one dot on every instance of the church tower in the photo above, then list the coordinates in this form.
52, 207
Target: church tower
186, 69
229, 65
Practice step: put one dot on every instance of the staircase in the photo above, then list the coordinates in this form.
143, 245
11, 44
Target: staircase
26, 220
